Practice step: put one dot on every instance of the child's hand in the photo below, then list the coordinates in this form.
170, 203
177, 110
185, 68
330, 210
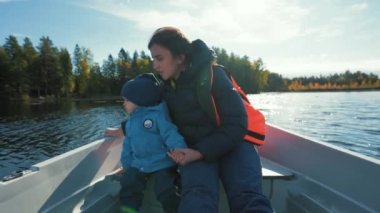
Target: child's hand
184, 156
113, 132
120, 172
176, 155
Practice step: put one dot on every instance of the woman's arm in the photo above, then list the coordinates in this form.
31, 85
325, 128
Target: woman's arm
232, 115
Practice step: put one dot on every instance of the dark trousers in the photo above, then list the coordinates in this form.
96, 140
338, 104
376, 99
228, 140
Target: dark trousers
133, 182
240, 173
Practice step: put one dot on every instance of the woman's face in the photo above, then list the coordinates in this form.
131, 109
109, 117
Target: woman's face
167, 65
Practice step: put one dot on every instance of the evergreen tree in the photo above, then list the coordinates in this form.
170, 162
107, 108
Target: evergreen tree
222, 56
109, 68
4, 75
275, 83
30, 54
67, 75
49, 69
145, 63
17, 76
109, 72
135, 64
124, 64
78, 57
97, 82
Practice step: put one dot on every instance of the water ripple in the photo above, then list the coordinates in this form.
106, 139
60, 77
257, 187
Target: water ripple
28, 139
347, 119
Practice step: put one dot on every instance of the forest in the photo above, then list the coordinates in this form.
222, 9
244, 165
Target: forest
28, 71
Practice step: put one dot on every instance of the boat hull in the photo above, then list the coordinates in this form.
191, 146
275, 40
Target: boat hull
300, 175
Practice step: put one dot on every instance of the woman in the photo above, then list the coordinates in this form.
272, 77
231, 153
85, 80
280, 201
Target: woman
215, 152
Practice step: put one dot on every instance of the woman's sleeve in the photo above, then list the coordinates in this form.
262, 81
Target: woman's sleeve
233, 119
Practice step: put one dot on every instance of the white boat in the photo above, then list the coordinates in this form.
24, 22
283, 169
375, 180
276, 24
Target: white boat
299, 175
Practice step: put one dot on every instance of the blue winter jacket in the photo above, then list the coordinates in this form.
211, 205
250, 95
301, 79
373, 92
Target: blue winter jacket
150, 134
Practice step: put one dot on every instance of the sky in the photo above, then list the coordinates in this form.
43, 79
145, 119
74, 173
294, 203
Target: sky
292, 37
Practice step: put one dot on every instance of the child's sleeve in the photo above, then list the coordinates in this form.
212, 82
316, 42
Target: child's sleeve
122, 124
169, 132
126, 154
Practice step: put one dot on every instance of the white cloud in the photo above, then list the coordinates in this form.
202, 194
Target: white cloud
359, 7
240, 21
184, 4
332, 24
260, 28
320, 33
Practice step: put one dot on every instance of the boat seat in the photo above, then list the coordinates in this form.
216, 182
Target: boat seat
272, 170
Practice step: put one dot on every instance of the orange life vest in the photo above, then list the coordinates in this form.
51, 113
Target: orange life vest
256, 120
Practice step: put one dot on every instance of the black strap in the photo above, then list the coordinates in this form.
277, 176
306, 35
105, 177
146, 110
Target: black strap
256, 135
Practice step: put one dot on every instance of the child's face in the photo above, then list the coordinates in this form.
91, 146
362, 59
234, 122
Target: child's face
129, 106
165, 63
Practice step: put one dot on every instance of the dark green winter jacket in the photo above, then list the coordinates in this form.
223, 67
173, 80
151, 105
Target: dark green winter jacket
193, 87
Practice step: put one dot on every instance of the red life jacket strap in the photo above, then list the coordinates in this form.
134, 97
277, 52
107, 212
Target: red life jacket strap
217, 117
256, 120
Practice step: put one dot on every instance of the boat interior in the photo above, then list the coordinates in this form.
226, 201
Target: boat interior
299, 175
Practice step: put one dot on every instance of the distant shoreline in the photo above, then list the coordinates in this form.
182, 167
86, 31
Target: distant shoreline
336, 90
118, 99
102, 98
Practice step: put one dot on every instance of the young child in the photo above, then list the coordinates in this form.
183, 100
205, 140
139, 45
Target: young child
149, 136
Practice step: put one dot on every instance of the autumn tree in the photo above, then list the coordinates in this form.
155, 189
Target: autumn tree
68, 81
82, 61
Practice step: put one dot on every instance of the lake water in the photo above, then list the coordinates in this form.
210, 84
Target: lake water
31, 134
346, 119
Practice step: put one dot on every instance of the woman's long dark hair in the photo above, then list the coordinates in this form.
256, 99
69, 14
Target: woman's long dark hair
173, 39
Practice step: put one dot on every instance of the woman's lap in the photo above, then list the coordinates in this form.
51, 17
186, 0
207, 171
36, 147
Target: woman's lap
200, 189
240, 172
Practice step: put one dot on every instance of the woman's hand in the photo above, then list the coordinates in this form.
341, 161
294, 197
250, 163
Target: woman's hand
113, 132
184, 156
